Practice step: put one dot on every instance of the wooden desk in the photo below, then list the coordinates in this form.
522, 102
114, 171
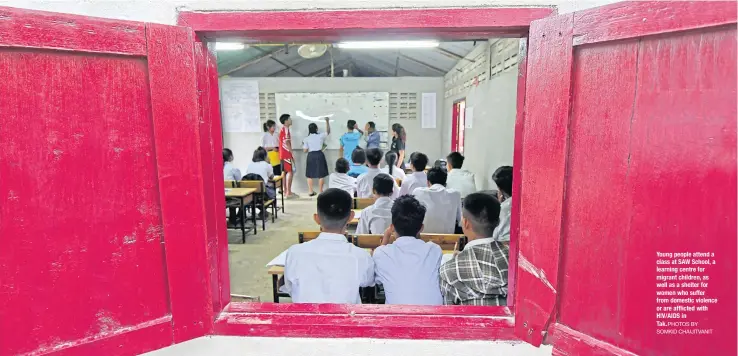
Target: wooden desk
276, 271
274, 181
357, 214
244, 195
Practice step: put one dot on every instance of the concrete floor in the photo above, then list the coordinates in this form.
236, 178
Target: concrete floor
248, 261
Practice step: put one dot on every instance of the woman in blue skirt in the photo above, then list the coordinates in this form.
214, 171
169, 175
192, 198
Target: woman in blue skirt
316, 165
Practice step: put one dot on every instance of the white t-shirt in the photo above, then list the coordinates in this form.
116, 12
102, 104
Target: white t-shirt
262, 168
397, 173
443, 208
461, 181
342, 181
270, 140
314, 142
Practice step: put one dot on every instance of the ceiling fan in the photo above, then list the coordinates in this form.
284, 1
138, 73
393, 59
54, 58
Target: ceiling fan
310, 51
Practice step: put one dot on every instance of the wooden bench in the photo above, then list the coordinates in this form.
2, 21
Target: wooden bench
361, 203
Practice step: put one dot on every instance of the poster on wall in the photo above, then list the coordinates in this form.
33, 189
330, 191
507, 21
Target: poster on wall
428, 111
240, 105
469, 117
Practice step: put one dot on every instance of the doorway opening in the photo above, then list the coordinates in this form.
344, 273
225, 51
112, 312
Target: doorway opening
457, 126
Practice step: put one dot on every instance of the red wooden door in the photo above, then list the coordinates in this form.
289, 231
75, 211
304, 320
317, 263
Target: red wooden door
630, 160
102, 227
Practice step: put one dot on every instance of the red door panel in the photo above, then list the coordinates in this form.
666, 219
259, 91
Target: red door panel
101, 196
643, 140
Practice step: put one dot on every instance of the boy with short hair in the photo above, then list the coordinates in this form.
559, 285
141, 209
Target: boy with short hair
285, 154
350, 140
358, 166
503, 178
328, 269
339, 179
459, 179
365, 182
408, 267
417, 179
376, 218
478, 275
444, 205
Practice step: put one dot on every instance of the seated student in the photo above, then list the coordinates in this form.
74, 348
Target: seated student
408, 267
503, 177
365, 182
263, 169
328, 269
459, 179
230, 172
339, 179
390, 158
443, 205
358, 159
418, 178
477, 275
376, 218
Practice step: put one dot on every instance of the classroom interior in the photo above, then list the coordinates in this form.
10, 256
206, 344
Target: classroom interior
475, 85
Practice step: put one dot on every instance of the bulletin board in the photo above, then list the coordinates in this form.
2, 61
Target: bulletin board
305, 108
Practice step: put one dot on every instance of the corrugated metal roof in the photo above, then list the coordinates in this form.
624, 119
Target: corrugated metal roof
284, 61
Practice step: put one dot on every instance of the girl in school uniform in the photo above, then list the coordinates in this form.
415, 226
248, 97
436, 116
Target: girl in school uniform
316, 165
270, 142
390, 158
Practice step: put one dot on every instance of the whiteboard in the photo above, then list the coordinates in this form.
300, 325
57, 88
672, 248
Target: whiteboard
240, 105
305, 108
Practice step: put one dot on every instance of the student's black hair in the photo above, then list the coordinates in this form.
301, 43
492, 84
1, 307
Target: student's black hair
312, 128
227, 155
483, 211
260, 155
419, 161
350, 124
407, 215
374, 156
358, 156
334, 208
383, 185
390, 158
503, 177
372, 125
268, 125
455, 160
342, 165
400, 131
283, 118
437, 175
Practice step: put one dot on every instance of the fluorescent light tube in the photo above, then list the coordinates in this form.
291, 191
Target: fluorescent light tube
229, 46
387, 44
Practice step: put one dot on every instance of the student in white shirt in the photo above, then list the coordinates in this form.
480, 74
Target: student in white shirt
390, 159
230, 172
408, 267
459, 179
329, 269
270, 142
365, 181
339, 179
316, 166
503, 177
263, 169
443, 205
376, 218
417, 179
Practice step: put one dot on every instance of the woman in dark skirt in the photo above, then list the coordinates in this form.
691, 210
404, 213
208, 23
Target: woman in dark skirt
316, 165
398, 144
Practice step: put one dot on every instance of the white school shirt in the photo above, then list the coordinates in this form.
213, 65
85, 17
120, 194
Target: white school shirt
342, 181
263, 169
397, 173
365, 184
270, 140
502, 231
376, 218
413, 181
328, 269
443, 208
461, 181
314, 142
408, 270
230, 172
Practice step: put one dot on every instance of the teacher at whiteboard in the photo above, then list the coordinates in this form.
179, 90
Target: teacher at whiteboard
398, 144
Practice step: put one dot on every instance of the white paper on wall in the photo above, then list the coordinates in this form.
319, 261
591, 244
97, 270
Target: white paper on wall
240, 105
428, 111
469, 117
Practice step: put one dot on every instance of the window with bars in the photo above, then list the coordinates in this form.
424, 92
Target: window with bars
403, 106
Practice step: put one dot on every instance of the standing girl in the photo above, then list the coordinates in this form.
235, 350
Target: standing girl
398, 144
316, 165
270, 142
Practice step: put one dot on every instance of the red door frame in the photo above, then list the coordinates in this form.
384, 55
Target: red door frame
548, 105
171, 70
377, 321
455, 115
